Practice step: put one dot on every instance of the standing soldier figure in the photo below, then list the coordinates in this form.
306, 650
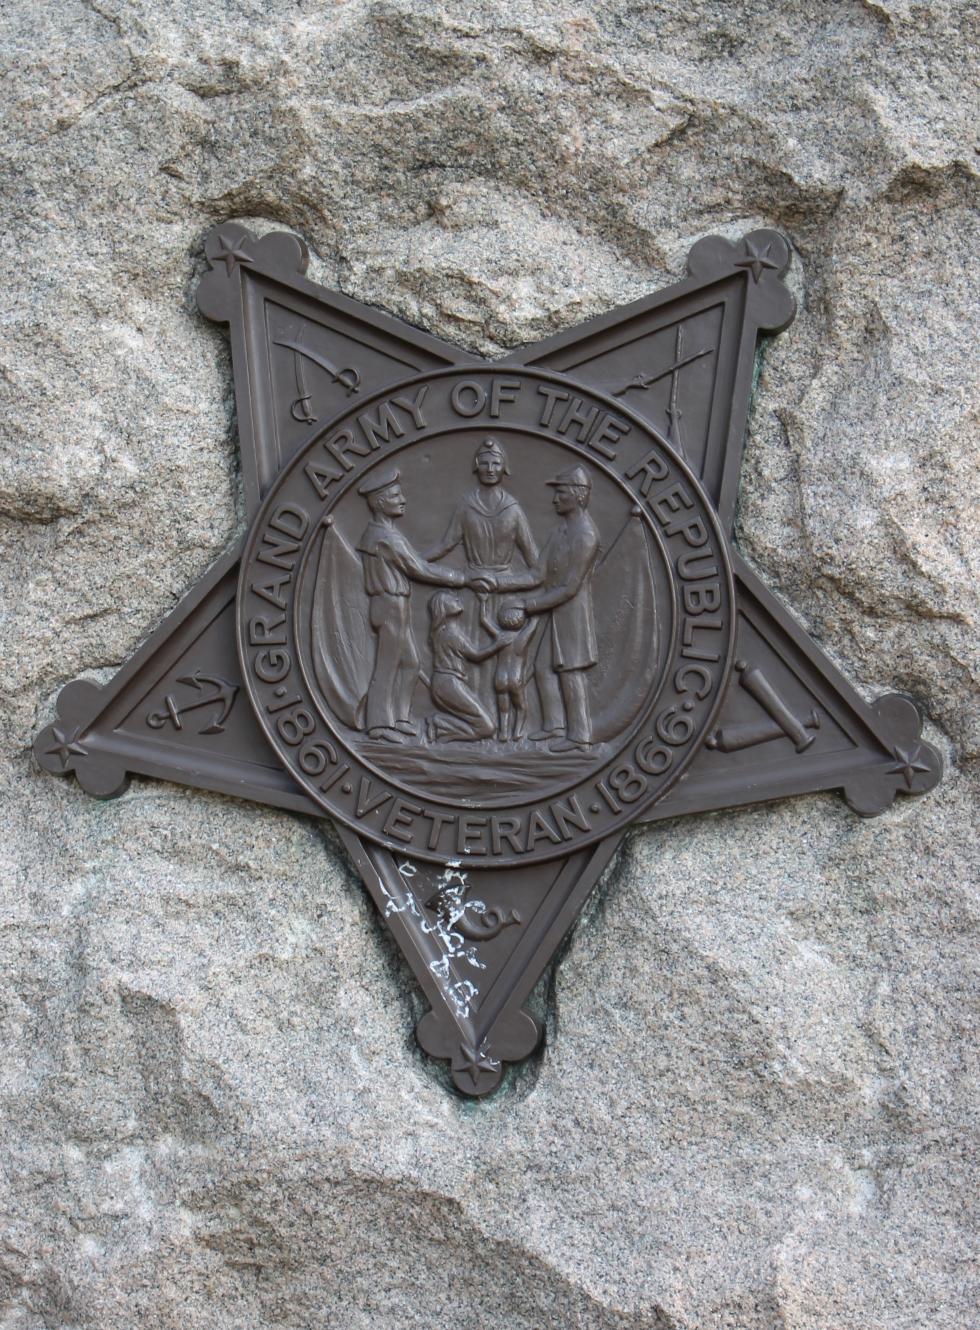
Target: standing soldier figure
563, 575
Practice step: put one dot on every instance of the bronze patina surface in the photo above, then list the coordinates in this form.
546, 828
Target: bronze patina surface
488, 614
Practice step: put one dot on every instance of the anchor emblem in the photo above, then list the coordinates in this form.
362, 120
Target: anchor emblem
223, 696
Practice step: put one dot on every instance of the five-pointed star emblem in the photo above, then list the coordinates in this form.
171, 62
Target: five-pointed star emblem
64, 746
789, 722
908, 762
231, 253
475, 1063
756, 261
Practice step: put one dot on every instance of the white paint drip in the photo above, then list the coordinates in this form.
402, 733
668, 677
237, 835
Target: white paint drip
451, 888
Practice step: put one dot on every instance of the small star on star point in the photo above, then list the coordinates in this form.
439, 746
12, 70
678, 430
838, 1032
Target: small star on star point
476, 1061
756, 260
907, 763
65, 746
231, 254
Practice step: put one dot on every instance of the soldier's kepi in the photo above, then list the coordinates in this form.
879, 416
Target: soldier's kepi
564, 575
486, 616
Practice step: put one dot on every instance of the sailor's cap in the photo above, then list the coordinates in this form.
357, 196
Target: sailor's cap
375, 483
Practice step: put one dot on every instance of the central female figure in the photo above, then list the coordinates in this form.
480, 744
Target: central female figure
496, 536
488, 521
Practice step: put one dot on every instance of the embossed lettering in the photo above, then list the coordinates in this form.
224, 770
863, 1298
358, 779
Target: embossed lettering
538, 827
675, 726
270, 591
668, 508
693, 531
279, 549
686, 566
266, 631
314, 757
505, 829
288, 524
380, 429
652, 467
399, 821
609, 430
652, 757
475, 702
502, 390
627, 782
614, 805
290, 521
413, 405
578, 419
271, 666
551, 397
295, 726
680, 680
320, 478
698, 599
337, 776
468, 397
568, 813
670, 501
342, 443
368, 802
438, 820
468, 829
692, 652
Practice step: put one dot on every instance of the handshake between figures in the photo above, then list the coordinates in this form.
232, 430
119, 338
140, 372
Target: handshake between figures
482, 585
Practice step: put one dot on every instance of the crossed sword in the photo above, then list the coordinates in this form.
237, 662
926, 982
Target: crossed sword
302, 409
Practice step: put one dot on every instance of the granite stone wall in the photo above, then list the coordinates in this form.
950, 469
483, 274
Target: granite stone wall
756, 1106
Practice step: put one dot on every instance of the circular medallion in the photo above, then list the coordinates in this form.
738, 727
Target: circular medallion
486, 616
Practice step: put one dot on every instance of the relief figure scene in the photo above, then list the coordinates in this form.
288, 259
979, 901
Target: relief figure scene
485, 614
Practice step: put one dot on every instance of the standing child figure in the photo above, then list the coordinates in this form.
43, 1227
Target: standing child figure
512, 667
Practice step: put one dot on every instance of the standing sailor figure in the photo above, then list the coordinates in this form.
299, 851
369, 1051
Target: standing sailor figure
391, 564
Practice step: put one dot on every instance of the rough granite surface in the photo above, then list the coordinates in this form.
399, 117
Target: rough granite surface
757, 1105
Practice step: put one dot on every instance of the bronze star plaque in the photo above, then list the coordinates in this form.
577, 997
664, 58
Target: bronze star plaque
487, 615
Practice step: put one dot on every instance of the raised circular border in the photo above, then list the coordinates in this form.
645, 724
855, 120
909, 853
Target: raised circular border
611, 807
